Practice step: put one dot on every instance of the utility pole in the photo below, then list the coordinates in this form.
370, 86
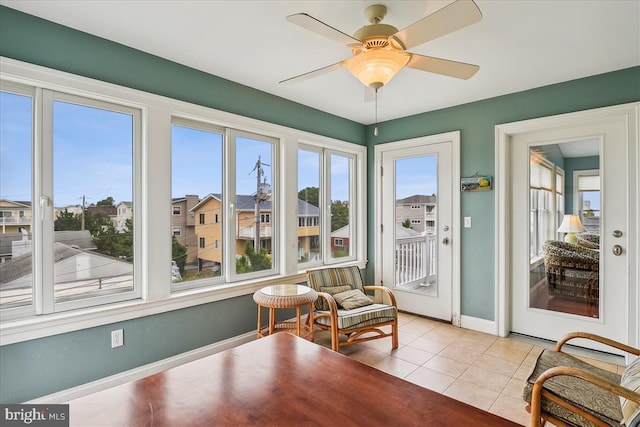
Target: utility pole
83, 214
263, 192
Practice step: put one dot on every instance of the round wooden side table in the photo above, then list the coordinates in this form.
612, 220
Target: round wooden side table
286, 296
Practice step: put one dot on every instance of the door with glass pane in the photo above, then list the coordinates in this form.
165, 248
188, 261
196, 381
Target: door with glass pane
569, 222
417, 227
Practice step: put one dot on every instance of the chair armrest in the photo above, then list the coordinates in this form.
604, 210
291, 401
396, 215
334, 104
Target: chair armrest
538, 391
385, 291
597, 338
586, 376
333, 306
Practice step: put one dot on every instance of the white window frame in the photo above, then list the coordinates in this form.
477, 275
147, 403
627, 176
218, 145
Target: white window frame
153, 219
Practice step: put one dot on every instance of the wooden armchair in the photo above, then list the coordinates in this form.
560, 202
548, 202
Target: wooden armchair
343, 308
567, 391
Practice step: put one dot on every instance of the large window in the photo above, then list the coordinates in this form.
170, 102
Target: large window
325, 192
546, 184
16, 263
196, 187
255, 239
109, 195
81, 250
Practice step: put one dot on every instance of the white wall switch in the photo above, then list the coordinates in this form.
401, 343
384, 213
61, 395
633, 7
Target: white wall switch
467, 222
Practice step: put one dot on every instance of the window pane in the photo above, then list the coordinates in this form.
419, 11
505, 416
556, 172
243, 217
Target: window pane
196, 188
340, 206
254, 179
16, 279
92, 183
308, 207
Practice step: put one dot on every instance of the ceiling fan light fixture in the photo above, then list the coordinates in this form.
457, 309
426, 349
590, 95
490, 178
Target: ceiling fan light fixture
376, 67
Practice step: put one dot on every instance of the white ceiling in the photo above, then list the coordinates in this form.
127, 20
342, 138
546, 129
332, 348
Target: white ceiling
518, 45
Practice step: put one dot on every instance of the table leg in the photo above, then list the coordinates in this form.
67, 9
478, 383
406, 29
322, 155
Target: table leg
259, 330
310, 321
298, 321
272, 320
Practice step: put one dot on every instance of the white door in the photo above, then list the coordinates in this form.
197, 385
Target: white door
417, 211
556, 286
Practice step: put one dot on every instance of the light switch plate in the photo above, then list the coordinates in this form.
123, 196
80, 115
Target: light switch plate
467, 222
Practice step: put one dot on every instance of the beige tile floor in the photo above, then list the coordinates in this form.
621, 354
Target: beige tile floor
482, 370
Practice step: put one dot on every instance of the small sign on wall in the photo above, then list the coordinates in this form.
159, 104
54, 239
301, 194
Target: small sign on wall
476, 183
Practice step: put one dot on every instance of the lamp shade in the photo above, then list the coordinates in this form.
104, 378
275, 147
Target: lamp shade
571, 224
376, 67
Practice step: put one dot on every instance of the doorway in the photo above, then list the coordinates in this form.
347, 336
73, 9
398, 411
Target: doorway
566, 224
417, 209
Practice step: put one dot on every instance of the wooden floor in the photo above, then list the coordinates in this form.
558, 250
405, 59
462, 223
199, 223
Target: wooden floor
280, 380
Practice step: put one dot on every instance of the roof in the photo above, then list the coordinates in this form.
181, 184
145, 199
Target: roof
418, 198
247, 203
77, 238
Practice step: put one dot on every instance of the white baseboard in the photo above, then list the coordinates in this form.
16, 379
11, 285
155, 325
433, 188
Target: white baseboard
477, 324
143, 371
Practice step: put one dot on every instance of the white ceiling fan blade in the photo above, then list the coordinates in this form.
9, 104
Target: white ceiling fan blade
450, 18
314, 73
445, 67
314, 25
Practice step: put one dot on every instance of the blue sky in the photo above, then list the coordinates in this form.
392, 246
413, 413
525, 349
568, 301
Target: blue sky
93, 158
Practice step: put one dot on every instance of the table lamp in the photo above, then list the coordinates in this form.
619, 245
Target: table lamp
571, 225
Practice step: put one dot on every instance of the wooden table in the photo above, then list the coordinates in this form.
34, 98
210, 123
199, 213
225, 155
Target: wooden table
286, 296
280, 380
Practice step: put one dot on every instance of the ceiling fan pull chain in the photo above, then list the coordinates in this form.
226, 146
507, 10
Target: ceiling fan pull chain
375, 129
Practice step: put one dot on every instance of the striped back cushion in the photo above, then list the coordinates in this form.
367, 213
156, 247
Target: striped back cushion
335, 276
631, 380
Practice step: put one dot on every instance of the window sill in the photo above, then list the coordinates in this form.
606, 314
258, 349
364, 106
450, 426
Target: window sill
18, 330
24, 329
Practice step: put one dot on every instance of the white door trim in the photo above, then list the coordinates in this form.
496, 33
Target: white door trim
630, 113
454, 139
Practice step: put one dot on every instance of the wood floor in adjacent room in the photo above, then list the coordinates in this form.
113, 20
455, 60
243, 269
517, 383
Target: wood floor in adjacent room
480, 369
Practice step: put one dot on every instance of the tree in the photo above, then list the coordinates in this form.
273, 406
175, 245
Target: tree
67, 221
406, 223
106, 202
309, 195
339, 214
178, 253
252, 260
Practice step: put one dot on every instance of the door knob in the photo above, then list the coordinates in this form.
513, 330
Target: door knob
445, 241
617, 250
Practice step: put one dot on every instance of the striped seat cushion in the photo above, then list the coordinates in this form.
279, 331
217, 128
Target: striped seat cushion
603, 404
363, 316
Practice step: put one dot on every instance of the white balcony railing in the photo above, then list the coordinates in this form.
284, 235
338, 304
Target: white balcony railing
416, 261
249, 233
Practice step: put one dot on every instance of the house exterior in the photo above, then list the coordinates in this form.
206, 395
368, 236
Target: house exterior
183, 225
124, 211
420, 211
208, 227
15, 216
340, 239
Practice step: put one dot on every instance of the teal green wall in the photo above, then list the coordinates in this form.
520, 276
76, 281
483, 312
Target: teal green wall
476, 122
39, 367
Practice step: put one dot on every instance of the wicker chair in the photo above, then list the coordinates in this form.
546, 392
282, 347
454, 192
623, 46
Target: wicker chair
568, 392
589, 240
572, 271
344, 309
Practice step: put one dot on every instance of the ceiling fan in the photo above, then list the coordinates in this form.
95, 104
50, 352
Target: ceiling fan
379, 50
